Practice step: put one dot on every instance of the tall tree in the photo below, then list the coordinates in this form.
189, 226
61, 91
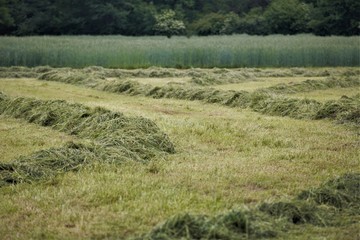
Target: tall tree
141, 18
168, 24
336, 17
288, 16
6, 21
254, 23
204, 17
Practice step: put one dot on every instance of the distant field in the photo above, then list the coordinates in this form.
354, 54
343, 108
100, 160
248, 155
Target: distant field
181, 52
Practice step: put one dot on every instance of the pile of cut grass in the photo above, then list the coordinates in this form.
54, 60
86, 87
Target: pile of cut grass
46, 164
283, 106
110, 137
344, 110
341, 193
23, 72
313, 85
108, 128
318, 206
237, 224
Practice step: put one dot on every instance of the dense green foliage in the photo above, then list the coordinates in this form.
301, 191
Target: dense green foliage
139, 17
180, 52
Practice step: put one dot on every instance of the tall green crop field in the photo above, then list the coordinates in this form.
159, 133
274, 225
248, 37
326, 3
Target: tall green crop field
180, 52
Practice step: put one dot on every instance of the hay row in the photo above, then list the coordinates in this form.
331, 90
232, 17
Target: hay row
46, 164
318, 206
313, 85
345, 110
114, 136
23, 72
203, 77
105, 127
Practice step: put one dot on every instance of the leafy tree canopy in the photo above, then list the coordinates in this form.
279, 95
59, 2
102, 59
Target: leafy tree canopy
175, 17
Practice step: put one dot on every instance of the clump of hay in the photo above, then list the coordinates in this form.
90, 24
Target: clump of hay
236, 224
344, 110
82, 77
22, 72
342, 192
46, 164
113, 138
312, 85
295, 212
182, 226
103, 126
282, 106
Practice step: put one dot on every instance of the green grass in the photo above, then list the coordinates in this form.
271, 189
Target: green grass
225, 158
206, 52
34, 138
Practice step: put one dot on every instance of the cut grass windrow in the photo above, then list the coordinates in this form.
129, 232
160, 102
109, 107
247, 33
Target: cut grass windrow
46, 164
313, 85
318, 206
197, 76
23, 72
344, 110
108, 136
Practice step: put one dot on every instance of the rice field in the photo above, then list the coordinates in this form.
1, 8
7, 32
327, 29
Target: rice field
247, 153
180, 52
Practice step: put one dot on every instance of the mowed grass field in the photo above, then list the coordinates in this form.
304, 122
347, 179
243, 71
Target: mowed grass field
227, 157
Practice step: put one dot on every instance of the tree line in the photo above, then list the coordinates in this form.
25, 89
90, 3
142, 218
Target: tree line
179, 17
